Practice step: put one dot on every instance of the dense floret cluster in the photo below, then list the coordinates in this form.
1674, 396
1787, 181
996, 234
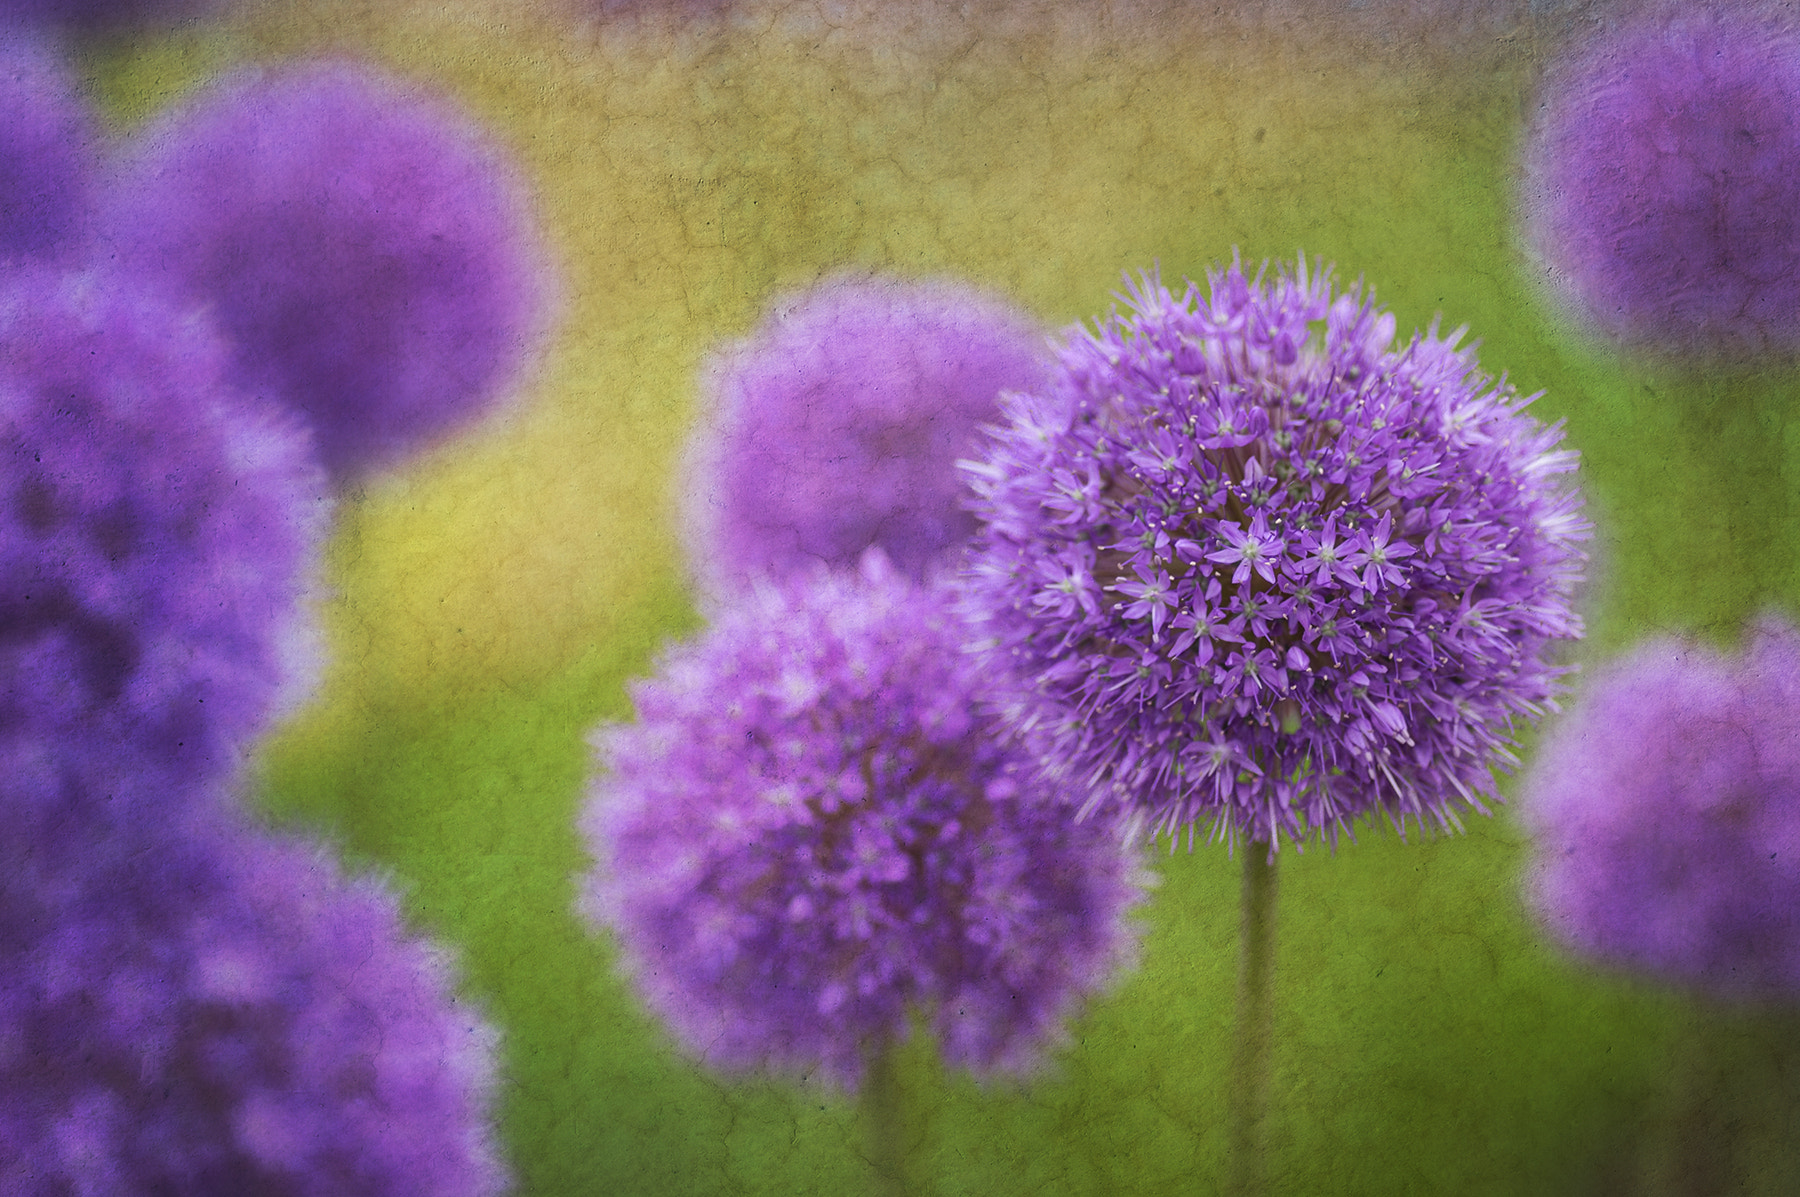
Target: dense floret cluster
229, 1013
810, 830
1666, 810
1663, 183
157, 542
367, 253
838, 425
1260, 570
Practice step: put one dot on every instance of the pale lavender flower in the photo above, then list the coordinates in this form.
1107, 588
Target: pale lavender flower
836, 427
810, 829
1663, 182
366, 249
228, 1013
46, 151
1666, 813
158, 535
1263, 572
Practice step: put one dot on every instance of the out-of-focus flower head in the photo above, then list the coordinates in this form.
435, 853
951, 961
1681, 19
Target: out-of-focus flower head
1262, 571
46, 151
229, 1013
836, 427
368, 252
1666, 810
810, 830
158, 536
1663, 182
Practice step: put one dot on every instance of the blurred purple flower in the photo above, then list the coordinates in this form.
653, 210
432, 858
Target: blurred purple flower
837, 426
1666, 810
810, 830
366, 249
1663, 182
157, 538
47, 145
1261, 571
229, 1013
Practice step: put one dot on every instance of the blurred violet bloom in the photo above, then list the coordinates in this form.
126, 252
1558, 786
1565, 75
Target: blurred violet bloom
1666, 810
158, 540
47, 147
837, 425
1663, 182
226, 1012
1260, 570
810, 830
367, 251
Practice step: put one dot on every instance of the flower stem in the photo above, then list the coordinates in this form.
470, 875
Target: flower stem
1250, 1056
883, 1114
1684, 1153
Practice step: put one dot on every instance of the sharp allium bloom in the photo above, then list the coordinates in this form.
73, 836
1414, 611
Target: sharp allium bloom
837, 426
233, 1014
157, 540
1663, 183
46, 148
366, 249
809, 830
1666, 810
1265, 573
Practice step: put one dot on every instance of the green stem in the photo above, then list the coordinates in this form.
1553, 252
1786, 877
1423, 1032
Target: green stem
1681, 1151
1251, 1072
883, 1113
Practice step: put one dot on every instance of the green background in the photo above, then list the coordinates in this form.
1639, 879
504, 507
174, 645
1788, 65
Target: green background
489, 603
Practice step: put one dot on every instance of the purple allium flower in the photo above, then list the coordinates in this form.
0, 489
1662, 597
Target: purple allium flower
366, 249
1262, 571
1664, 183
810, 829
837, 427
157, 538
232, 1014
46, 148
1666, 810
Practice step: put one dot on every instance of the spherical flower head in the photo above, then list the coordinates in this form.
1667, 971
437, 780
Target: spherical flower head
366, 249
1663, 189
1258, 570
1666, 811
46, 147
810, 830
233, 1014
836, 427
158, 536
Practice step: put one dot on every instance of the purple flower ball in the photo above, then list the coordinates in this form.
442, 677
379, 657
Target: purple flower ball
158, 536
810, 830
1259, 570
836, 427
366, 249
1663, 187
1666, 810
46, 152
232, 1014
